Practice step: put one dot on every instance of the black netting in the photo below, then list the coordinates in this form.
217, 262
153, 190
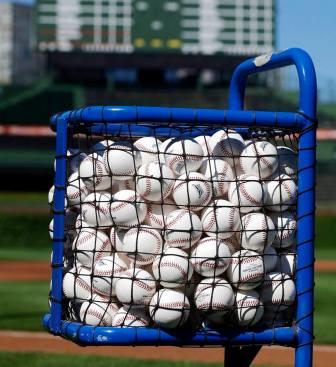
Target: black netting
193, 231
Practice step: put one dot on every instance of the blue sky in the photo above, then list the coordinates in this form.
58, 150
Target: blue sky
311, 25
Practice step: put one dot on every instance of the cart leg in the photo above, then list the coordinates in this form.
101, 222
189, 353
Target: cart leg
304, 355
240, 356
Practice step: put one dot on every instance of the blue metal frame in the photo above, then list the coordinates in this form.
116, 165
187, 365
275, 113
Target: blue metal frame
303, 122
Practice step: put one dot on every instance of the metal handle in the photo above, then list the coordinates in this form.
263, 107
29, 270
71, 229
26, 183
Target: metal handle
293, 56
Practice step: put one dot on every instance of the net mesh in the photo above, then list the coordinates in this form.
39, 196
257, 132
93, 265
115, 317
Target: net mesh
186, 227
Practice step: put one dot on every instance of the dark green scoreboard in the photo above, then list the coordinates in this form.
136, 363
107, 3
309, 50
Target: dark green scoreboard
205, 27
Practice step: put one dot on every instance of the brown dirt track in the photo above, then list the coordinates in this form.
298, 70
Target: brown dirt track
40, 270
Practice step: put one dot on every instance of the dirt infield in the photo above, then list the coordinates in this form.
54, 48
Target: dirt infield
17, 341
40, 270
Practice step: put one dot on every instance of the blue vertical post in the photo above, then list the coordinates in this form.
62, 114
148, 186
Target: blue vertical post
58, 233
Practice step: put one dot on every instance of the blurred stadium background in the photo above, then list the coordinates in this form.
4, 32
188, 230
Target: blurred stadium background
62, 54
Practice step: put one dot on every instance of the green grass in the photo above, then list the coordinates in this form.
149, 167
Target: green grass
24, 198
325, 239
24, 304
10, 359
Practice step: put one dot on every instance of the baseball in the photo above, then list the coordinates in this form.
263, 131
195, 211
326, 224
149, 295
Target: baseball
172, 269
157, 213
214, 297
123, 185
116, 238
220, 175
192, 190
183, 229
96, 209
249, 308
74, 158
278, 291
286, 262
162, 149
287, 161
227, 145
76, 190
270, 259
90, 246
204, 142
280, 193
122, 160
94, 174
285, 225
259, 159
128, 209
77, 284
221, 219
136, 287
210, 257
246, 193
69, 224
258, 232
169, 308
51, 196
106, 272
183, 156
155, 181
101, 146
98, 312
141, 245
246, 269
129, 316
149, 149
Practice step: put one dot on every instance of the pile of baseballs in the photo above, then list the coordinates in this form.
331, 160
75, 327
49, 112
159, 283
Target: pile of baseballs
179, 232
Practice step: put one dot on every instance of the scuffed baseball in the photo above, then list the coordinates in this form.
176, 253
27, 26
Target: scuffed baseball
149, 148
169, 308
173, 268
192, 190
130, 316
246, 269
155, 181
210, 257
258, 231
183, 229
249, 307
221, 219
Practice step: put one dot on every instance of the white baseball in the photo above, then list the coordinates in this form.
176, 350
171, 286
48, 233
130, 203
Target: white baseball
258, 231
155, 181
210, 257
122, 160
259, 159
162, 148
90, 246
246, 269
51, 196
101, 146
130, 316
149, 148
278, 291
76, 190
287, 161
136, 287
80, 223
77, 284
285, 225
106, 272
221, 219
183, 156
172, 269
157, 213
270, 259
281, 193
94, 173
183, 229
128, 209
227, 145
169, 308
141, 245
74, 158
247, 193
214, 297
98, 312
249, 307
286, 262
204, 142
96, 209
116, 238
192, 190
219, 173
